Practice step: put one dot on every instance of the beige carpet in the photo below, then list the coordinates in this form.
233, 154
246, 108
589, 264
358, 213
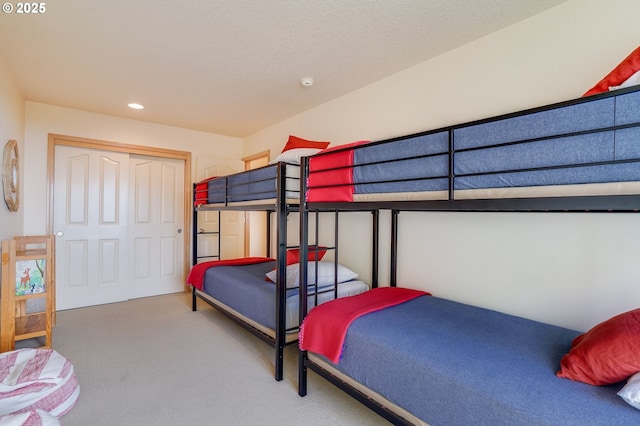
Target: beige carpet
153, 361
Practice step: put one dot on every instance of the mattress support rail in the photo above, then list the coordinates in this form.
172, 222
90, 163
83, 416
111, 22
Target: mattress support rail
382, 411
253, 330
577, 204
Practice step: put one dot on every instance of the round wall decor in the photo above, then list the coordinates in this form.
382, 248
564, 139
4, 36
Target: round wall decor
10, 175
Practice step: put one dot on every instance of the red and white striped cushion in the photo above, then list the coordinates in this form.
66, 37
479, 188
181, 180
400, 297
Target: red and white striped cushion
29, 418
37, 379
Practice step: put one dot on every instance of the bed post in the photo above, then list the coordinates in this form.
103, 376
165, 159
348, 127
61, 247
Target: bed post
281, 255
336, 236
304, 243
316, 239
451, 165
194, 245
374, 252
268, 236
193, 299
394, 248
194, 231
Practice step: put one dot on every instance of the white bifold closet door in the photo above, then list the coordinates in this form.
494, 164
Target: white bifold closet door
119, 222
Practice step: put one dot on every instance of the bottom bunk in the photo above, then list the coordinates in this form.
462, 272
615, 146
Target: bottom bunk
245, 290
436, 361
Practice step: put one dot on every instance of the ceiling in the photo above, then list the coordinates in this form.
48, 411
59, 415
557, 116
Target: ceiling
232, 67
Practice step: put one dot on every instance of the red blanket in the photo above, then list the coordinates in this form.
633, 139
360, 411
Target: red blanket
324, 329
196, 275
334, 169
201, 195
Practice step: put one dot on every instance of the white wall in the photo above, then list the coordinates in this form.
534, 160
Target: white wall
42, 119
11, 127
572, 270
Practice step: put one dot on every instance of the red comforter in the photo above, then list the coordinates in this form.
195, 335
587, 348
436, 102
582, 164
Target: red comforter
201, 195
196, 275
334, 169
324, 329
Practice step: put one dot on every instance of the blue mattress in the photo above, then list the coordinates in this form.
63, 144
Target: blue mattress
586, 141
453, 364
252, 185
419, 163
573, 144
245, 290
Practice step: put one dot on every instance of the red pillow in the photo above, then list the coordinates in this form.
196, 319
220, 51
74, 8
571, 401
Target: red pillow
606, 354
296, 142
293, 255
625, 69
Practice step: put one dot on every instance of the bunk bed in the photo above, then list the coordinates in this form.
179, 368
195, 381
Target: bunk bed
436, 361
259, 293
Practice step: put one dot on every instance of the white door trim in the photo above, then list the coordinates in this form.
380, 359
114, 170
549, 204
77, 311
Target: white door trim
55, 139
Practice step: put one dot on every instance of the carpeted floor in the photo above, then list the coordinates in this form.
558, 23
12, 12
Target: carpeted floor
153, 361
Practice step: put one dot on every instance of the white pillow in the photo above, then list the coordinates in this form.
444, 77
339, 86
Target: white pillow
294, 155
631, 391
325, 274
292, 275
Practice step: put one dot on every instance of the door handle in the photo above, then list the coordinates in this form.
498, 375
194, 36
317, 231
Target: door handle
179, 230
59, 234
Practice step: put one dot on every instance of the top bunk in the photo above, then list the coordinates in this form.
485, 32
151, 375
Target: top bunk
264, 188
579, 155
269, 188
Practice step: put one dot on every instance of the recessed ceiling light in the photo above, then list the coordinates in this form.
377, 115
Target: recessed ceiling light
136, 106
306, 82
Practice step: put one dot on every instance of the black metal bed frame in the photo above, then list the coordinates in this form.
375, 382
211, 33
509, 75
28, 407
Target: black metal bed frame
600, 204
281, 208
